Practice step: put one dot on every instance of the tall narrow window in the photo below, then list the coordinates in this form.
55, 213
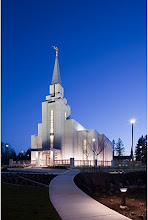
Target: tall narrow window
55, 155
51, 140
51, 128
84, 144
51, 122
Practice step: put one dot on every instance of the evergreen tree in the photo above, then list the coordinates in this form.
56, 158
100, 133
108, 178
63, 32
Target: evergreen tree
28, 154
3, 156
145, 150
113, 142
141, 149
24, 155
12, 154
119, 147
7, 153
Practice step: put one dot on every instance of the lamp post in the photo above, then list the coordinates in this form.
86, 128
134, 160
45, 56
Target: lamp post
123, 201
132, 121
7, 152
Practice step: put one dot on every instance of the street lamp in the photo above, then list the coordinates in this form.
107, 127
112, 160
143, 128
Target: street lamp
7, 152
132, 121
123, 201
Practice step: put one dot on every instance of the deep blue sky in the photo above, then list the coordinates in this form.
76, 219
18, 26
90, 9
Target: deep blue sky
102, 56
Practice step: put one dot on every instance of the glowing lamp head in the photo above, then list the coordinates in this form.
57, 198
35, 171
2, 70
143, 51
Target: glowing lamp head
7, 145
123, 190
132, 121
93, 140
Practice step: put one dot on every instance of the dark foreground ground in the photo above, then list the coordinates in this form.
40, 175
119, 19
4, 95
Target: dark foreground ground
26, 200
105, 188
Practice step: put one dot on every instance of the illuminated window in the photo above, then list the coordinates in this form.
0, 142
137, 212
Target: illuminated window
84, 145
51, 122
51, 128
84, 149
55, 155
51, 140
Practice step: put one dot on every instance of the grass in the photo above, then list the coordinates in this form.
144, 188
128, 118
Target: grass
21, 202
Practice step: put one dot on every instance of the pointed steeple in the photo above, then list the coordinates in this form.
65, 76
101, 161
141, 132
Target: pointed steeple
56, 78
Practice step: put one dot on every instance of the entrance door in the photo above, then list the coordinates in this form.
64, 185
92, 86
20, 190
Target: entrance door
47, 160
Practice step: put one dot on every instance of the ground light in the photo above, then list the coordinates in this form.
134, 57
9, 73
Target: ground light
123, 199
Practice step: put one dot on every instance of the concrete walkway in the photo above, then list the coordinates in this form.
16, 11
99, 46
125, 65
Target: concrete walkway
73, 204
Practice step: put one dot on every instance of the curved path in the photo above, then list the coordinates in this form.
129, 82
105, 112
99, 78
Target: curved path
73, 204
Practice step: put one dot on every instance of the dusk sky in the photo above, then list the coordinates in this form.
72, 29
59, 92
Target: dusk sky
102, 58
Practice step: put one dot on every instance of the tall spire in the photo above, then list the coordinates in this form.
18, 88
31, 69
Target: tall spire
56, 78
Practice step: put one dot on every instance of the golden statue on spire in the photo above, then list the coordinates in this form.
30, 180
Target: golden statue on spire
56, 49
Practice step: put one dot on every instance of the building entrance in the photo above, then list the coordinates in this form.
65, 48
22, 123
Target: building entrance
48, 160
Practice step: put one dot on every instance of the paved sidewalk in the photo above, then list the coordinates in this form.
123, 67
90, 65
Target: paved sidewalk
73, 204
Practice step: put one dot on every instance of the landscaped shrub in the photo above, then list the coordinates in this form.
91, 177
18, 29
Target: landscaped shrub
105, 181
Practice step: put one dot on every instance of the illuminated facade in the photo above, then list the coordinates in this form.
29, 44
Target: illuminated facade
61, 138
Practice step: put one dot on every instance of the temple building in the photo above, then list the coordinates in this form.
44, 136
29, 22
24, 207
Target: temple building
60, 138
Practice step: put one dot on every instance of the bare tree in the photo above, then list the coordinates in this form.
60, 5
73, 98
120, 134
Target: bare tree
85, 146
92, 147
97, 146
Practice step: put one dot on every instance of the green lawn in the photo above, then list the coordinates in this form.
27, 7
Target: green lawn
27, 202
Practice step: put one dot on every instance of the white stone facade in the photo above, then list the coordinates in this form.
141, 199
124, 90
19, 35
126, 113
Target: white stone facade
61, 138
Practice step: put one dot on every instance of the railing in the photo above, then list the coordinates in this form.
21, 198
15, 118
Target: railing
62, 163
82, 163
90, 163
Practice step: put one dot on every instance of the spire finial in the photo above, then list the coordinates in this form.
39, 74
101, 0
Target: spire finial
56, 72
56, 49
